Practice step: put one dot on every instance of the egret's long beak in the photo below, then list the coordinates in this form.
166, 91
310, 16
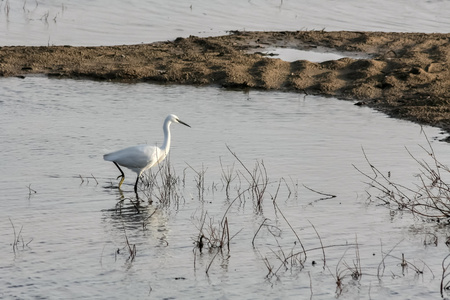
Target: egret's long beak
181, 122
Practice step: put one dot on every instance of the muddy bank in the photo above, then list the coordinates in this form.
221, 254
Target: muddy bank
407, 75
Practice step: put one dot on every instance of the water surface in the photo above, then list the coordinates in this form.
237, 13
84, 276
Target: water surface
89, 23
73, 241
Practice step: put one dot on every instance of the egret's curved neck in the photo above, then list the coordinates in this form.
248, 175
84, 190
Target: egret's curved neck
166, 145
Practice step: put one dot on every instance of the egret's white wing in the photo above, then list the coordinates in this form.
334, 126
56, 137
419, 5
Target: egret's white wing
135, 158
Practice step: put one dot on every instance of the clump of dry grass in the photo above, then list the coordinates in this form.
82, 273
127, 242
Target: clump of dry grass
162, 185
257, 181
18, 239
430, 199
200, 182
344, 270
228, 176
212, 236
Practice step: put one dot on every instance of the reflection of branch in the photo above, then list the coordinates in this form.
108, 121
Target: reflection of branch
131, 250
328, 196
445, 266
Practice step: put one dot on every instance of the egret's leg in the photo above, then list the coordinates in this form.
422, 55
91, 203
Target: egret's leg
135, 185
122, 175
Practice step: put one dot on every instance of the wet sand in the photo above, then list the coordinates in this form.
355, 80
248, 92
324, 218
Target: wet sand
407, 75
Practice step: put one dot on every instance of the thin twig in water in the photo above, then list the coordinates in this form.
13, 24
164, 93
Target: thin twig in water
30, 190
200, 182
14, 244
321, 244
383, 259
94, 178
256, 233
227, 177
289, 224
328, 196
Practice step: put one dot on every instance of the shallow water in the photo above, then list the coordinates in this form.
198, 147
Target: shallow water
105, 23
57, 197
72, 241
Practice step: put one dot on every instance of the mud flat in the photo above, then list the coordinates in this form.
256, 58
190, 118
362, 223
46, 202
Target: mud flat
405, 75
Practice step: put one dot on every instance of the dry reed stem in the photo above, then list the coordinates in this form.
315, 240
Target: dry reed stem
256, 233
292, 229
18, 238
327, 196
321, 244
227, 177
200, 182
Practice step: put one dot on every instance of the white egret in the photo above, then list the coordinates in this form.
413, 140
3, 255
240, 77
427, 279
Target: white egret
142, 157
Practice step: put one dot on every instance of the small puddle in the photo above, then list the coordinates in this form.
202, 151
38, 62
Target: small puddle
290, 54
